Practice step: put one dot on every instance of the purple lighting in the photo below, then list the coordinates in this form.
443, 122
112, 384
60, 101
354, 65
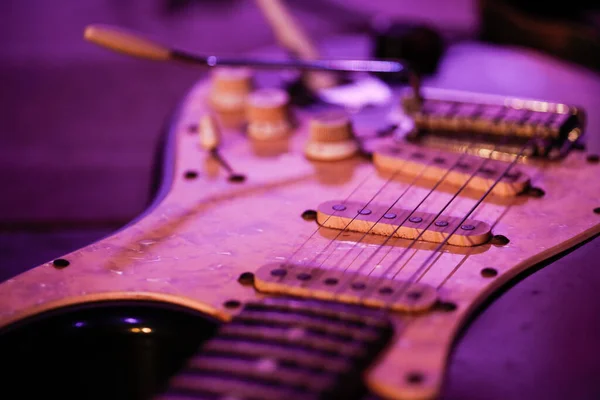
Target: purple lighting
131, 320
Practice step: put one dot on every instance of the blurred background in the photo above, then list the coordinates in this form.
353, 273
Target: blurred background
80, 125
79, 128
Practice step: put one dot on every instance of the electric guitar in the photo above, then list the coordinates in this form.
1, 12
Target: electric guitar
304, 252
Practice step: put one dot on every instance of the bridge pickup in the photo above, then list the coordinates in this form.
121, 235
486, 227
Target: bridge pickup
381, 220
411, 160
344, 287
447, 118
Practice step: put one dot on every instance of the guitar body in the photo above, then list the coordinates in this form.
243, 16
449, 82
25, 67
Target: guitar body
195, 258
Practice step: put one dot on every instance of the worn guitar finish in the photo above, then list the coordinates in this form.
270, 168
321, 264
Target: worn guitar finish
193, 247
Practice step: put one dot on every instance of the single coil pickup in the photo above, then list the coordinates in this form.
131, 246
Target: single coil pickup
453, 168
345, 287
382, 220
451, 113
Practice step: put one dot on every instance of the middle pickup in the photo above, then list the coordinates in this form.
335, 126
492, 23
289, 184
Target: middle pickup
397, 222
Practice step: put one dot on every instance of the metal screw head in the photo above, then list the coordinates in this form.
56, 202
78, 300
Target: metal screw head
331, 281
441, 223
415, 220
278, 272
339, 207
389, 216
364, 211
385, 290
462, 165
60, 263
487, 171
303, 276
439, 160
414, 295
467, 227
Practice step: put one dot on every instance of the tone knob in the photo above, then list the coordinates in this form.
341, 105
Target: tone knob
229, 91
331, 137
267, 111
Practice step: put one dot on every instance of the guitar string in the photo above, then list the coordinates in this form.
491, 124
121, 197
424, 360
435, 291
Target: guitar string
391, 235
412, 183
472, 210
439, 182
433, 220
465, 217
341, 231
290, 257
415, 240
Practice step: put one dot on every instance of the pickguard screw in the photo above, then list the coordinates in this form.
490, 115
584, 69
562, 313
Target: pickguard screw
389, 216
246, 279
358, 286
489, 272
331, 281
467, 227
415, 220
500, 240
309, 215
364, 211
60, 263
535, 192
441, 223
236, 178
445, 306
232, 304
191, 175
339, 207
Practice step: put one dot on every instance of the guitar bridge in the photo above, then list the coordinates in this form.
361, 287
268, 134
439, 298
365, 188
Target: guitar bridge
494, 126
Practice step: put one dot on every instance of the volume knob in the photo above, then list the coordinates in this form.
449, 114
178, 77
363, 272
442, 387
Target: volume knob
331, 138
228, 93
267, 111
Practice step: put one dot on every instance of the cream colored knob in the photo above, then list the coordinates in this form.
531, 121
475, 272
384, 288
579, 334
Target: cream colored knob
267, 111
331, 137
230, 88
210, 135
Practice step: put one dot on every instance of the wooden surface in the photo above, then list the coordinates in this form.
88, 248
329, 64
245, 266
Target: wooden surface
191, 249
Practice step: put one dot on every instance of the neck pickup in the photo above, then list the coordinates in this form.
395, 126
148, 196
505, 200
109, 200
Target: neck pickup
382, 220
